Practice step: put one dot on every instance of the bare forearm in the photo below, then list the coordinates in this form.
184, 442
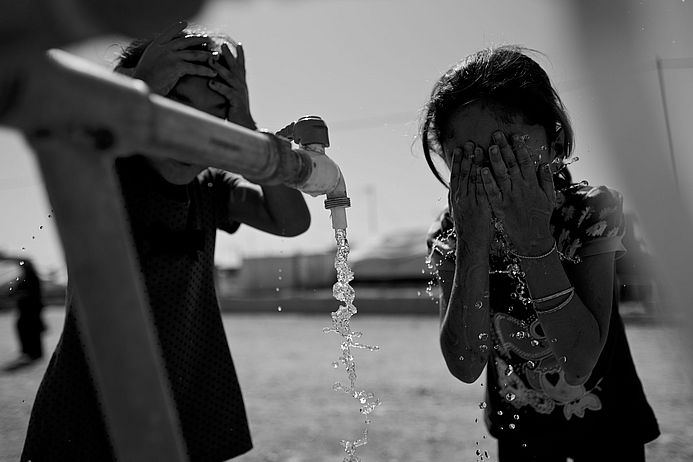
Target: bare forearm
287, 209
572, 330
464, 334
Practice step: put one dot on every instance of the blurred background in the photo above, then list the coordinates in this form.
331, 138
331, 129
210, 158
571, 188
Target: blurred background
367, 67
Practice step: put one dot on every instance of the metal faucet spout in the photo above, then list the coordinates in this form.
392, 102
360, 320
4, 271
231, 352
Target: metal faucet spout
326, 177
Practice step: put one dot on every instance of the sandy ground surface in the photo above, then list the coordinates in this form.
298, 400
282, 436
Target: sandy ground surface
284, 363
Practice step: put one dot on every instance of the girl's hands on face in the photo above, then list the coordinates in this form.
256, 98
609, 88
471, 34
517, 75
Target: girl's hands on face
231, 84
469, 205
168, 58
520, 195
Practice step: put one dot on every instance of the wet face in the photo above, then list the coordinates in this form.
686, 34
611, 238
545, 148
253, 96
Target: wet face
477, 122
192, 91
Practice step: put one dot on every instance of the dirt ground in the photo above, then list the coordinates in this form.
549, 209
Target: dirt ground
284, 364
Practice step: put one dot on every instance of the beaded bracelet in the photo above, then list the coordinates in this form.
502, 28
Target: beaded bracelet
536, 257
559, 307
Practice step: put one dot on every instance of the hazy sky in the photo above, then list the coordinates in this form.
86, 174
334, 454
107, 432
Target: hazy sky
367, 68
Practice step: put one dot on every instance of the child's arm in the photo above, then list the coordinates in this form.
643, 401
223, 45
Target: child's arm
276, 210
464, 313
465, 325
574, 312
577, 332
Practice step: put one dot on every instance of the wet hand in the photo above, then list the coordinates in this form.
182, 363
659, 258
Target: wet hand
469, 204
168, 58
231, 84
521, 195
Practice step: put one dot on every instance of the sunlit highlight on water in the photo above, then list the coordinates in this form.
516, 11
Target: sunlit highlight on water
343, 292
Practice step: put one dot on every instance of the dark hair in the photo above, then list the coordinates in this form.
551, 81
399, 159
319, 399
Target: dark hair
503, 76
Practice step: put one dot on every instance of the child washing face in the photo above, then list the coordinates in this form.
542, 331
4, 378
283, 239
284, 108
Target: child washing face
525, 262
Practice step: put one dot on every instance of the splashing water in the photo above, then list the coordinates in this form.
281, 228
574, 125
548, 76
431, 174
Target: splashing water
343, 292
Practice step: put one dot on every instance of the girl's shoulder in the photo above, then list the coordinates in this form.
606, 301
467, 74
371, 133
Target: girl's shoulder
588, 220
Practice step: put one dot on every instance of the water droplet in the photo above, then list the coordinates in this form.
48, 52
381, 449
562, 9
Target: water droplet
510, 396
335, 364
41, 227
483, 336
534, 342
530, 364
50, 216
511, 426
23, 249
21, 263
483, 348
563, 359
482, 405
418, 293
279, 278
509, 370
461, 358
478, 304
276, 289
500, 413
516, 417
33, 237
279, 308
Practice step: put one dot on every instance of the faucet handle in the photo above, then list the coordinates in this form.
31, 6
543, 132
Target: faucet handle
307, 130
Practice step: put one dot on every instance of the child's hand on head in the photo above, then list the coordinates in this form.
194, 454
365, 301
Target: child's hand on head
231, 84
169, 57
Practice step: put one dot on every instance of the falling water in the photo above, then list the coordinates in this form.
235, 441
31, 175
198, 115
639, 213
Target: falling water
343, 292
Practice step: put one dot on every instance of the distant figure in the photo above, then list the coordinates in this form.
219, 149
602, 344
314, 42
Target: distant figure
525, 261
174, 209
27, 294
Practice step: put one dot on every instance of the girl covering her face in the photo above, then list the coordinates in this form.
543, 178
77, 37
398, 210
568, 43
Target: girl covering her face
525, 262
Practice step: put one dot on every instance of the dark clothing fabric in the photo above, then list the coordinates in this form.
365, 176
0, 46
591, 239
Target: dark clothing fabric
606, 449
527, 394
30, 304
174, 229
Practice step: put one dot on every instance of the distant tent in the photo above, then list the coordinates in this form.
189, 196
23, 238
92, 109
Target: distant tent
393, 256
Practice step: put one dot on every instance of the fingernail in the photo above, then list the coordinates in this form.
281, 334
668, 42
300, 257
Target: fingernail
498, 136
493, 149
485, 171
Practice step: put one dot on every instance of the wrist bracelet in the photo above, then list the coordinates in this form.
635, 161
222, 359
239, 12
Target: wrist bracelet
555, 295
559, 307
536, 257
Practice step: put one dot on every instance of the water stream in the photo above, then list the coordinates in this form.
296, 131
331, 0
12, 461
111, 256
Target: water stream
343, 292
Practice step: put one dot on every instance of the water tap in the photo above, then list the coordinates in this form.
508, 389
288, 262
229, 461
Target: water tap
310, 133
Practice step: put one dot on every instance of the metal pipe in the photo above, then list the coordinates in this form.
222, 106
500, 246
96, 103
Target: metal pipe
31, 27
92, 108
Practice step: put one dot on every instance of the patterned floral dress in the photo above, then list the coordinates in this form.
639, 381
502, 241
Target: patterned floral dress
527, 395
